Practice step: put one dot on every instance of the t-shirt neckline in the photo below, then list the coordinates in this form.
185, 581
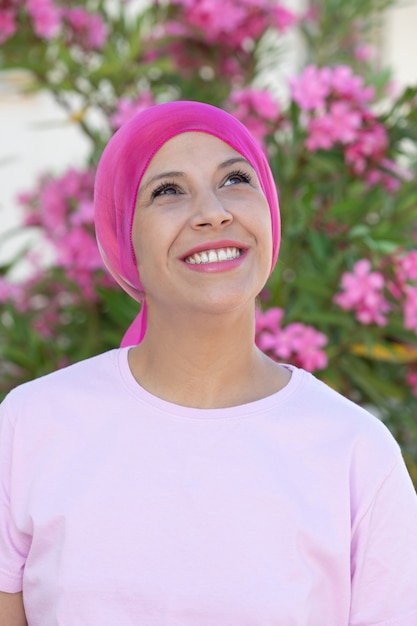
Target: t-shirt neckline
257, 406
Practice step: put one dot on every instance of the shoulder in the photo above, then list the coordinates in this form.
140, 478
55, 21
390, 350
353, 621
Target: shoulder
341, 426
345, 450
322, 405
87, 378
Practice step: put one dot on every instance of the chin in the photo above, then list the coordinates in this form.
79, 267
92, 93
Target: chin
223, 305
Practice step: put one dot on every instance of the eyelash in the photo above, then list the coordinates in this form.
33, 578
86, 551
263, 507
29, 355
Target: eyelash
171, 185
162, 187
244, 175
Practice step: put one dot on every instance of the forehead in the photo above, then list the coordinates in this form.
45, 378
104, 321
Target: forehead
197, 147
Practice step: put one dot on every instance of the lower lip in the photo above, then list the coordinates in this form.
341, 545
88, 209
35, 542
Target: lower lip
218, 266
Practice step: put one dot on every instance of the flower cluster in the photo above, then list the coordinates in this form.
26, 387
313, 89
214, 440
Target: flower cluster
236, 22
405, 287
296, 342
84, 29
364, 291
363, 294
9, 291
257, 109
206, 37
50, 19
126, 108
43, 14
336, 105
45, 308
63, 209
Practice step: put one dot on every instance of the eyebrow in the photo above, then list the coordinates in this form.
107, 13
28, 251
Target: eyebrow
177, 173
232, 161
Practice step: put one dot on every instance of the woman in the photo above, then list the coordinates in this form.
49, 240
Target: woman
186, 478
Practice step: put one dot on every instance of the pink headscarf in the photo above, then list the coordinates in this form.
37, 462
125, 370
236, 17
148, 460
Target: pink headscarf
121, 169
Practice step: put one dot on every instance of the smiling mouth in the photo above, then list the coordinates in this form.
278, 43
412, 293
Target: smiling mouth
214, 256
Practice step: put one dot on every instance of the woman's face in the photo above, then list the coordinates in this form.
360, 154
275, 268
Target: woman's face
202, 229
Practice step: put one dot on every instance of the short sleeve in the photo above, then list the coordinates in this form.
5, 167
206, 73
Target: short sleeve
384, 556
13, 544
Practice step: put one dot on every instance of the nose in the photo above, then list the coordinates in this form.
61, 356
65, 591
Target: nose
210, 212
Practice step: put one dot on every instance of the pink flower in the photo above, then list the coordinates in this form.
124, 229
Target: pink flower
257, 109
364, 52
319, 133
307, 344
349, 86
279, 344
88, 30
406, 266
362, 293
97, 33
127, 108
372, 143
366, 156
79, 255
283, 18
198, 25
236, 22
63, 208
298, 342
84, 214
285, 341
344, 122
359, 282
373, 309
78, 250
7, 24
269, 320
46, 18
205, 16
77, 184
311, 89
173, 29
410, 307
340, 124
54, 208
8, 290
335, 105
373, 177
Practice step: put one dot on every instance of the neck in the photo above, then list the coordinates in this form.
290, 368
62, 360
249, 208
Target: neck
206, 363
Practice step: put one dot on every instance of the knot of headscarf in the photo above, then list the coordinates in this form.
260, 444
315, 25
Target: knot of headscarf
123, 164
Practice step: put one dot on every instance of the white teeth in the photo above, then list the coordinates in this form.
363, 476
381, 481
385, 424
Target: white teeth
213, 256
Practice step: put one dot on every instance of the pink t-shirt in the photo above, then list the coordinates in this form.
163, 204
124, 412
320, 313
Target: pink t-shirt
118, 508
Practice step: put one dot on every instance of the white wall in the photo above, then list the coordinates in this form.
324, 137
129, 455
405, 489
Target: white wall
399, 42
35, 136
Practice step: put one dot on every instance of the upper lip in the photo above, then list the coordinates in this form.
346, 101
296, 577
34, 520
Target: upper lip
214, 245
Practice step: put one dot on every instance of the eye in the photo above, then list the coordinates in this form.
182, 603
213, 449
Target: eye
165, 189
237, 177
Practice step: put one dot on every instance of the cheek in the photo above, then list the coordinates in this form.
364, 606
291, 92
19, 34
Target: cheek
140, 240
265, 230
